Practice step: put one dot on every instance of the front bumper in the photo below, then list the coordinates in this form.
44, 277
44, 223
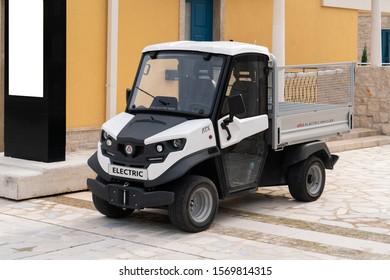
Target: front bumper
128, 196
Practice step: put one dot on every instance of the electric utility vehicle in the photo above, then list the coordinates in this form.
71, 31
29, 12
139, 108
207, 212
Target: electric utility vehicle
206, 121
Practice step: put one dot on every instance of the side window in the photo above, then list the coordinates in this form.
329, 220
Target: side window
247, 78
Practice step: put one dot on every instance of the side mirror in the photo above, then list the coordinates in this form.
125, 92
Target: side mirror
236, 106
128, 93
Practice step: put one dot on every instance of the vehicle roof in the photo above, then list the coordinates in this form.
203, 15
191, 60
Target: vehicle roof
217, 47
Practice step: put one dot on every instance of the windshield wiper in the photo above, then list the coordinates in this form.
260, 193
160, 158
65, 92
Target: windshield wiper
147, 93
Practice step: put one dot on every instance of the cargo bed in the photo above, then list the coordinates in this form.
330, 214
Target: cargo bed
291, 108
317, 103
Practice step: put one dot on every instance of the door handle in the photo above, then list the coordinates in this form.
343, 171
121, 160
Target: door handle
224, 126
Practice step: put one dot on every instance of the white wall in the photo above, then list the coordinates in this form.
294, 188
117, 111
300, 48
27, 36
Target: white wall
364, 5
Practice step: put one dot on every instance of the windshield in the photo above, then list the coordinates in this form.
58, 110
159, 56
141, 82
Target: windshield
182, 82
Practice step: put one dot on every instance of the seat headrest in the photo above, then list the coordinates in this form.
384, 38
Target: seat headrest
244, 71
202, 70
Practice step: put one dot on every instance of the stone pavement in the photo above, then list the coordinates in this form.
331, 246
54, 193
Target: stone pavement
350, 221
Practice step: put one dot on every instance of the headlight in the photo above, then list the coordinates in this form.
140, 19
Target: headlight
106, 138
159, 148
177, 143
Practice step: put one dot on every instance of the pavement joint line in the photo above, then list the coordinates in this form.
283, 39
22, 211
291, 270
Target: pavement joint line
300, 224
304, 245
256, 236
70, 201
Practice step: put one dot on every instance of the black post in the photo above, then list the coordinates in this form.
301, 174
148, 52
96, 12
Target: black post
35, 127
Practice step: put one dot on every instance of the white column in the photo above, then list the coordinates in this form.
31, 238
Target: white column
376, 26
112, 58
278, 42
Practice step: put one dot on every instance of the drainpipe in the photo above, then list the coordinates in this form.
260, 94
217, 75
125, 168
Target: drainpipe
376, 26
278, 42
112, 58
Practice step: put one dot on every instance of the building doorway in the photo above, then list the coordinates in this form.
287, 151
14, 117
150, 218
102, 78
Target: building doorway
199, 20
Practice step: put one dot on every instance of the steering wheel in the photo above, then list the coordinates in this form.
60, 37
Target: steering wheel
200, 108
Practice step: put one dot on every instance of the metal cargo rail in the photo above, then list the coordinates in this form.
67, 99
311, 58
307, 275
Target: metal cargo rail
317, 102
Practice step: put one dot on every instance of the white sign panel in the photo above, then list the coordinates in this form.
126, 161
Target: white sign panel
128, 172
25, 47
364, 5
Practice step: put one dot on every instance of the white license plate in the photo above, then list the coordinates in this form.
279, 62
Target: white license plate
128, 172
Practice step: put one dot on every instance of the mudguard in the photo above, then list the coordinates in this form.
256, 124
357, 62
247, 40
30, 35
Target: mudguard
181, 167
300, 152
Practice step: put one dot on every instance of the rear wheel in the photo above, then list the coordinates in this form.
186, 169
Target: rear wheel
195, 205
307, 179
108, 209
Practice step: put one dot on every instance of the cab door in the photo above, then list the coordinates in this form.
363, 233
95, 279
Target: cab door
242, 139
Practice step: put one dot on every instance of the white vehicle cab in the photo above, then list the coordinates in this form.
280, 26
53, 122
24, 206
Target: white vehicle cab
203, 123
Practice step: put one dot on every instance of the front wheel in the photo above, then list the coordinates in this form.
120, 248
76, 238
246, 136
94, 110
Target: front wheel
306, 180
195, 205
109, 210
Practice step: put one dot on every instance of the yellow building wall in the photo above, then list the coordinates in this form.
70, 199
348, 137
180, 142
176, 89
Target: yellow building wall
249, 21
141, 23
86, 62
314, 34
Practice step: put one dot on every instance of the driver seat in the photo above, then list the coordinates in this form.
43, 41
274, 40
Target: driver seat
245, 84
203, 90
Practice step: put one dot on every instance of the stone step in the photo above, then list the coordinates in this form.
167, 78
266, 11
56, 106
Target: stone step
358, 143
23, 179
358, 132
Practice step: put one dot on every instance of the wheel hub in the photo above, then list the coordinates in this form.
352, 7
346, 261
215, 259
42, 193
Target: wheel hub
314, 180
200, 205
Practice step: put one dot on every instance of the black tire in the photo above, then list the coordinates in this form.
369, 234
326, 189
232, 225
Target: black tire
306, 180
195, 205
108, 209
